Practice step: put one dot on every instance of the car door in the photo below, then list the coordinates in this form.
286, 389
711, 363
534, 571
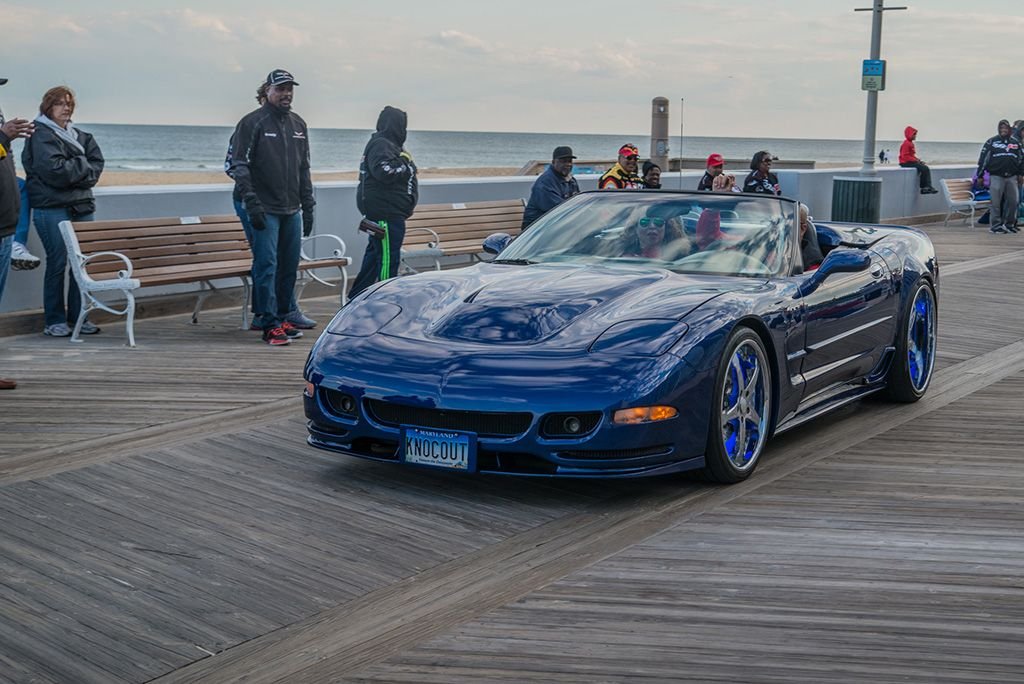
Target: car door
850, 320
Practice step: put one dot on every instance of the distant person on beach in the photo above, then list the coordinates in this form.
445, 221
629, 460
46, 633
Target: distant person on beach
623, 175
552, 187
652, 175
387, 194
909, 160
62, 165
715, 171
761, 180
881, 156
270, 164
10, 198
1002, 157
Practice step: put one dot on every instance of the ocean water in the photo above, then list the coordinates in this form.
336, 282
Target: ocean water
167, 148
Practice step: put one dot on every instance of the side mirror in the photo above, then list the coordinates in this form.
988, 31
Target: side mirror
495, 242
840, 261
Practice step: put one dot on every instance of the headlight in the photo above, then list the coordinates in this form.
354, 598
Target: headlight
363, 318
643, 414
652, 337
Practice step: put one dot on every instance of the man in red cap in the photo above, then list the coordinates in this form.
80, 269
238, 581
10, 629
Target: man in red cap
623, 175
715, 168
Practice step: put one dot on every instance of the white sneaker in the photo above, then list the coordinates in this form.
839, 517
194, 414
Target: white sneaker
57, 330
21, 258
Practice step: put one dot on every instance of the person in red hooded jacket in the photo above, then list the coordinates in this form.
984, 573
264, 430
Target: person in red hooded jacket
909, 160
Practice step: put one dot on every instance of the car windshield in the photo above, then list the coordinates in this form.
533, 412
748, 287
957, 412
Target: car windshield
727, 234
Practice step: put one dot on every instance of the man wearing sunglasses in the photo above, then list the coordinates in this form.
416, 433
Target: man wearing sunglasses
623, 175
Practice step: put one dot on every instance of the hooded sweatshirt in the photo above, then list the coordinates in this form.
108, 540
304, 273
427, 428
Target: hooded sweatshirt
908, 151
1001, 155
388, 188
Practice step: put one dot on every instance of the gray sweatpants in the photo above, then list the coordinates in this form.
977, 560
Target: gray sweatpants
1005, 195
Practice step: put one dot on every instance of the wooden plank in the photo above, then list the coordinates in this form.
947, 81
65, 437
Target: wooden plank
195, 230
89, 226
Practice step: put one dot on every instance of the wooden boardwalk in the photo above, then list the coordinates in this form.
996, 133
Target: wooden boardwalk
161, 519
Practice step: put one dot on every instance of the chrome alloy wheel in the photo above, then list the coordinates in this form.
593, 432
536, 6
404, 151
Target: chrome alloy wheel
921, 338
746, 405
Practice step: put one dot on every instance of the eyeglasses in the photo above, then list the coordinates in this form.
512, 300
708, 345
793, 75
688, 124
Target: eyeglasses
633, 157
651, 221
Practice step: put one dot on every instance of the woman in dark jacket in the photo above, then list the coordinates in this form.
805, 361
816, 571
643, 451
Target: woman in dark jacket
761, 179
62, 164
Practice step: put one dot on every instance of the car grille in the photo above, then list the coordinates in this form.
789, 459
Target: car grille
482, 423
616, 454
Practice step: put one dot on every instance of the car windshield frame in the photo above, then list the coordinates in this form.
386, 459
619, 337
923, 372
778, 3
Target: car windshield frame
732, 234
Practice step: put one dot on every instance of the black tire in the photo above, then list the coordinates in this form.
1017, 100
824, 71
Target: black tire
723, 462
909, 378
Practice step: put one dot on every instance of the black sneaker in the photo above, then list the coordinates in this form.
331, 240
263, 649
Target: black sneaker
290, 330
276, 337
1013, 229
998, 229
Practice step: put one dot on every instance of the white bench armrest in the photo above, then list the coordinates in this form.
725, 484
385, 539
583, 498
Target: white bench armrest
437, 239
126, 273
338, 253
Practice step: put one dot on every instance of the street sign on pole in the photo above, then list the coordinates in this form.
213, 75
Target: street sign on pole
872, 75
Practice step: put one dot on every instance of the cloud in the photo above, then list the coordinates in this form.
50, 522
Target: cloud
206, 22
462, 42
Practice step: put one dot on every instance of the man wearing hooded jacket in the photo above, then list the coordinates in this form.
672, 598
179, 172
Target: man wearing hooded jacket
1002, 158
909, 160
387, 194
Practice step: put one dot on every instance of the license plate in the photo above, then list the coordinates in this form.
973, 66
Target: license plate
439, 448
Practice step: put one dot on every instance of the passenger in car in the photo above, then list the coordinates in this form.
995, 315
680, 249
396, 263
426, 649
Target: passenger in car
655, 237
810, 251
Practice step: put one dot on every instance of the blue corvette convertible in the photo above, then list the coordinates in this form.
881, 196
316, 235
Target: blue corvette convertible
627, 334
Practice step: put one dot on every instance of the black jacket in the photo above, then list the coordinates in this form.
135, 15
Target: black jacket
549, 190
10, 197
387, 180
57, 175
769, 185
269, 160
1002, 156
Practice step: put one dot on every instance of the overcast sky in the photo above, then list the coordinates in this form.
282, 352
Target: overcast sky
785, 68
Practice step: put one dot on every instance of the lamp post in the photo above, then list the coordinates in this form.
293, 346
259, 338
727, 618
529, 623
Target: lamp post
872, 84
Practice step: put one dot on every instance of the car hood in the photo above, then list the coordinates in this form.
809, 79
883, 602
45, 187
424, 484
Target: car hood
561, 305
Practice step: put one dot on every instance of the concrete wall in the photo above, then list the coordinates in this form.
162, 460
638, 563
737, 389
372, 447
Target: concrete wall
336, 207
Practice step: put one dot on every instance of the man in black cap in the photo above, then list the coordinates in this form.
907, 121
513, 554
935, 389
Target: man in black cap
269, 161
552, 187
10, 198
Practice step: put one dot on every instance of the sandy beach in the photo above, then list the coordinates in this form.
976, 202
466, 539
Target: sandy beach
124, 177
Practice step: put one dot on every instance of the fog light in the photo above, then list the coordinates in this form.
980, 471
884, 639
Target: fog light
310, 390
348, 404
572, 425
643, 414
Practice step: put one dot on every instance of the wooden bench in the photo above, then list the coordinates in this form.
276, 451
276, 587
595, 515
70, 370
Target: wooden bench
443, 230
123, 256
960, 200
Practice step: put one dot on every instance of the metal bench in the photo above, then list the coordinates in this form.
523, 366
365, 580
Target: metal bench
123, 256
444, 230
960, 200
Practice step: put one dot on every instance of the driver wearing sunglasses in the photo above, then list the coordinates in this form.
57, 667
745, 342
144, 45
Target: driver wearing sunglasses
654, 237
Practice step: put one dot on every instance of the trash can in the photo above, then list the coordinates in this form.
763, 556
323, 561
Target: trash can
857, 199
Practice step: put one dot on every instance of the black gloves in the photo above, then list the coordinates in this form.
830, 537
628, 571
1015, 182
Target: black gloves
257, 217
307, 223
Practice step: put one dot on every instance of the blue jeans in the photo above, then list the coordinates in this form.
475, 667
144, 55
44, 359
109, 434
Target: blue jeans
21, 232
275, 259
47, 222
243, 216
5, 262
